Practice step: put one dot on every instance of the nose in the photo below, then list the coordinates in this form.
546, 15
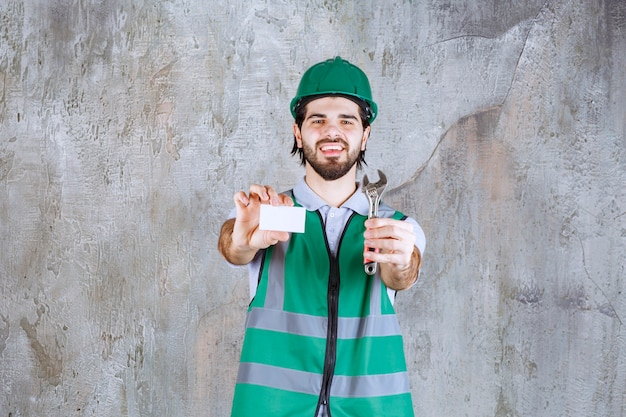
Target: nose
332, 130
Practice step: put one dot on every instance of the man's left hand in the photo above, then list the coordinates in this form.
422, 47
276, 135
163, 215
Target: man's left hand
393, 242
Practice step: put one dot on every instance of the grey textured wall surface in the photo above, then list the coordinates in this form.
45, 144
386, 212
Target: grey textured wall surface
126, 127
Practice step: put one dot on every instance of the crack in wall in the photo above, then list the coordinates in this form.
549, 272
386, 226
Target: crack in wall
613, 311
533, 21
420, 169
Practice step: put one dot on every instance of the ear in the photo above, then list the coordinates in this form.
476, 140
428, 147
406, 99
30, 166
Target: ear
366, 135
297, 135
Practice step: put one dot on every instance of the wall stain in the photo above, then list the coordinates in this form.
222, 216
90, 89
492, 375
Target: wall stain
528, 294
6, 163
4, 333
164, 112
50, 365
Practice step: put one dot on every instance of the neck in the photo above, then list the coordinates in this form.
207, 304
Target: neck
336, 192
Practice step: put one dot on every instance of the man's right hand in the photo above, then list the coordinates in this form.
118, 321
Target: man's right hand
240, 238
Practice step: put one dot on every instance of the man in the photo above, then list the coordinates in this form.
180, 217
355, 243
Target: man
322, 338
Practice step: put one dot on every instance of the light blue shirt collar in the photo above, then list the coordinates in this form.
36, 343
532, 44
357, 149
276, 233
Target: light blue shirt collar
306, 197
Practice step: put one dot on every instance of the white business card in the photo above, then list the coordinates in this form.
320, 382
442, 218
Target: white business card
282, 218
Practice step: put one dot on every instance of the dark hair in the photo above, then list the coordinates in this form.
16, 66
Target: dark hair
301, 113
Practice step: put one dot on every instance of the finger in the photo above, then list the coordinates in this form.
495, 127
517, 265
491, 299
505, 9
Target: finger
285, 200
265, 238
261, 191
241, 199
267, 194
383, 257
377, 222
390, 245
274, 198
393, 231
278, 236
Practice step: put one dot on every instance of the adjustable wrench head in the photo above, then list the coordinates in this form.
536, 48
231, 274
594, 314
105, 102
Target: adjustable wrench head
367, 187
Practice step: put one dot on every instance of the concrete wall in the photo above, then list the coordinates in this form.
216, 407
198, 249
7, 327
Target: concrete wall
125, 128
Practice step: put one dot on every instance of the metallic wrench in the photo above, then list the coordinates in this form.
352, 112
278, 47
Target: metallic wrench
374, 192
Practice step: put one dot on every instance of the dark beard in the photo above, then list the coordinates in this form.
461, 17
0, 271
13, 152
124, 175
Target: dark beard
332, 169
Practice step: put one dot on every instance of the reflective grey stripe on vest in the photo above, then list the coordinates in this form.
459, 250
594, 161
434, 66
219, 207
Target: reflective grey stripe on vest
375, 294
275, 297
315, 326
370, 385
309, 383
280, 378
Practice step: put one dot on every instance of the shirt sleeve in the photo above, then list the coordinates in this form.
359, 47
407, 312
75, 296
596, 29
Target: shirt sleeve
420, 237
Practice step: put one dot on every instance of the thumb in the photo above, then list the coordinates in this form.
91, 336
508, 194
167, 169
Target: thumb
273, 237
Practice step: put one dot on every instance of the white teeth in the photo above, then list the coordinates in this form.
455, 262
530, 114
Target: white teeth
331, 148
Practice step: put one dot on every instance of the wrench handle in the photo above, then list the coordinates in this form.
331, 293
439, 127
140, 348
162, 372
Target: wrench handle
370, 266
374, 199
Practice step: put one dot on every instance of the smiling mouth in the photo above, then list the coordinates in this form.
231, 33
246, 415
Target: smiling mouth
331, 147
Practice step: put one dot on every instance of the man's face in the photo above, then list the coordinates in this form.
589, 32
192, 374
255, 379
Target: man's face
332, 136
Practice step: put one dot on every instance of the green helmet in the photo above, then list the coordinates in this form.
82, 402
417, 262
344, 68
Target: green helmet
335, 77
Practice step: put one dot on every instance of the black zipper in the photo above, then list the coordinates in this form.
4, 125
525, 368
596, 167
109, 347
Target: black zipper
330, 357
331, 337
